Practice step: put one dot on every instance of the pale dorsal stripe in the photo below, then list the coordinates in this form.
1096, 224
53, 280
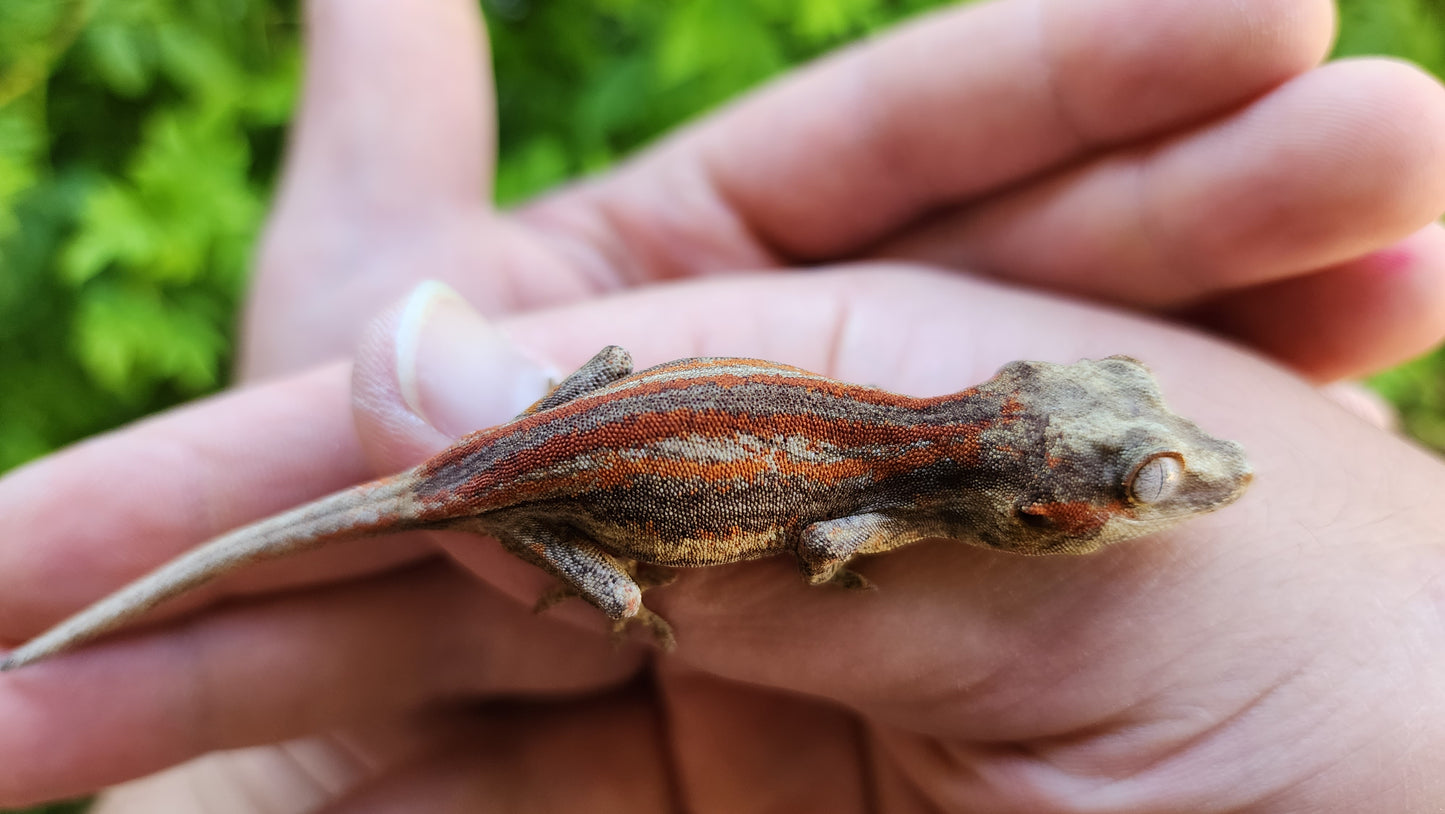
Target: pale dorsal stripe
730, 367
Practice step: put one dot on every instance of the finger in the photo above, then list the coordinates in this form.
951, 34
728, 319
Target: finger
1337, 163
380, 75
604, 754
294, 777
1364, 403
809, 755
393, 146
427, 763
153, 490
277, 669
944, 110
1354, 319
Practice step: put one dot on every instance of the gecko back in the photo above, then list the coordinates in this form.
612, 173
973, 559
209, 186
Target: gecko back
705, 461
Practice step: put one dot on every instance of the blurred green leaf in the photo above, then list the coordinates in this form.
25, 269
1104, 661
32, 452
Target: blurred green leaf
126, 335
122, 56
539, 165
830, 20
1417, 390
57, 808
1410, 29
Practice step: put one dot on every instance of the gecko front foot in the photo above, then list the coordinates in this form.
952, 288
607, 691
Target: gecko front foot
825, 547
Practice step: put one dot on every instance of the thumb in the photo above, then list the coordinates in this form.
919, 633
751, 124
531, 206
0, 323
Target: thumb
390, 160
431, 369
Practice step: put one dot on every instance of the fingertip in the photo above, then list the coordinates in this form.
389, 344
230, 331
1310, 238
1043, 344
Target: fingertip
1349, 320
379, 76
1378, 145
1125, 89
1365, 404
415, 311
1381, 123
430, 369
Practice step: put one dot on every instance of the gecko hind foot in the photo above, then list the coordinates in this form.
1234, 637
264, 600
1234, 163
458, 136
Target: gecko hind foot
657, 627
645, 575
851, 580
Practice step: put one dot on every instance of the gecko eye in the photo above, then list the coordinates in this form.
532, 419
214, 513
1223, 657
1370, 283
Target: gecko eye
1156, 478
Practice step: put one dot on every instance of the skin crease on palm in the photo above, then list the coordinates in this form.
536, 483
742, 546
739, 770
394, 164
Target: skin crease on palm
1283, 655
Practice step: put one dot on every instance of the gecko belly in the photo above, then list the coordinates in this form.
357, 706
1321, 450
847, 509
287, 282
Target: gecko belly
689, 522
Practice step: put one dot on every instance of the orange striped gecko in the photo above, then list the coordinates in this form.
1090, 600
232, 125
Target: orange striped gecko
702, 462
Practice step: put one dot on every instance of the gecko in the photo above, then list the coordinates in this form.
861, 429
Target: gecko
707, 461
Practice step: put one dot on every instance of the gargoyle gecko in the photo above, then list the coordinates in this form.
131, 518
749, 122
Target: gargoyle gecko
701, 462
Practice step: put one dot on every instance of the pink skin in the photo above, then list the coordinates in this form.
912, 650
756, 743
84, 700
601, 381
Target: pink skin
1282, 655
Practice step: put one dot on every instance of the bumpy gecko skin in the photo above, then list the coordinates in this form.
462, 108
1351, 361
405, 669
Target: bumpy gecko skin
708, 461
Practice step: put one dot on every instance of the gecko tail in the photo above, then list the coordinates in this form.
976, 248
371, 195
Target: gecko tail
370, 509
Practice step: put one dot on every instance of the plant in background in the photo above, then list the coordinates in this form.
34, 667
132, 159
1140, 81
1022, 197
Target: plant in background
137, 141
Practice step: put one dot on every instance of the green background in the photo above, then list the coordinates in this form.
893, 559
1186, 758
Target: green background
139, 141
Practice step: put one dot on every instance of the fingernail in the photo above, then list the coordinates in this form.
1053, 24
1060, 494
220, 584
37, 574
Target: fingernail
459, 371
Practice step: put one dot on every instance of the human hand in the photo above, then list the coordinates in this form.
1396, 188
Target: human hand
1280, 655
314, 451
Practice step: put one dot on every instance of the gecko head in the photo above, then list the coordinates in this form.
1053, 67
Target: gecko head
1108, 461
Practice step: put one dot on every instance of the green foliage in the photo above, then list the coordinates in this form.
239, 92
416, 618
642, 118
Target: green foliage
1417, 390
1410, 29
584, 83
137, 144
1414, 30
139, 140
57, 808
